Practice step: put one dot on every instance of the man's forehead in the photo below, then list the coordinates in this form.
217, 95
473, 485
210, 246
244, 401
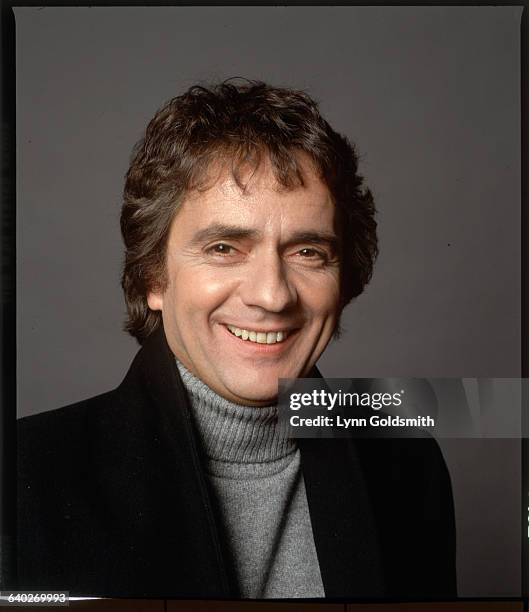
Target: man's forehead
226, 203
258, 208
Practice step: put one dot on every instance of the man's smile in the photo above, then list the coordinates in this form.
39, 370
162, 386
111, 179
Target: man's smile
255, 342
261, 337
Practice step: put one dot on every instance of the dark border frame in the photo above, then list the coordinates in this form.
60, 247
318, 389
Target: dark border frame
8, 246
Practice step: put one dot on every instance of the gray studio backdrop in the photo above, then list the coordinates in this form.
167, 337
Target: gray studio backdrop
430, 95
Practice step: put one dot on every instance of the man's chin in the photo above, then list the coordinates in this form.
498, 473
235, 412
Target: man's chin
253, 394
253, 398
252, 386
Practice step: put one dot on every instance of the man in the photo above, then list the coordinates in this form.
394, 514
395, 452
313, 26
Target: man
247, 230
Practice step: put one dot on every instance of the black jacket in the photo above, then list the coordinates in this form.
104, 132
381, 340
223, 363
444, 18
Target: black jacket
113, 501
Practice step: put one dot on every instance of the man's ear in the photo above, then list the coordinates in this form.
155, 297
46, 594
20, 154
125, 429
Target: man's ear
155, 300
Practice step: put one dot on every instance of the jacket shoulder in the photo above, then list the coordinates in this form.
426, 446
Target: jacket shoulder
68, 420
67, 416
54, 440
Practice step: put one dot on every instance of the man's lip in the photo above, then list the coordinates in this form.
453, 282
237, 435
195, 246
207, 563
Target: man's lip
287, 328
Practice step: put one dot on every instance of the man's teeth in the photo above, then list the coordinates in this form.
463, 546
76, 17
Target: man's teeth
259, 337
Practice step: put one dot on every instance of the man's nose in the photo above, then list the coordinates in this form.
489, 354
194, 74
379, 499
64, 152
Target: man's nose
268, 286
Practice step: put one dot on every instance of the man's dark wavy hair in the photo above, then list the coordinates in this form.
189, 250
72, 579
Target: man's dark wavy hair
235, 123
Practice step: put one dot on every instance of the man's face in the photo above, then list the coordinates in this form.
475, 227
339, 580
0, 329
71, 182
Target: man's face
252, 289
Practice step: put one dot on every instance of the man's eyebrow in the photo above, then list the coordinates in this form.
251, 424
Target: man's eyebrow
219, 231
324, 238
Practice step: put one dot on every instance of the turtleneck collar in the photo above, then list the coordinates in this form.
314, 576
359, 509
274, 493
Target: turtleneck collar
234, 433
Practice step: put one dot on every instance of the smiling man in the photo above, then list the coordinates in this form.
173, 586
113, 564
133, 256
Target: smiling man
247, 230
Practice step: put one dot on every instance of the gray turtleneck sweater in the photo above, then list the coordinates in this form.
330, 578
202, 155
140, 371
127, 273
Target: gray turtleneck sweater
255, 474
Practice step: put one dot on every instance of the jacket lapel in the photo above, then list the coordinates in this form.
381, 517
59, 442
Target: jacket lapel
184, 507
344, 529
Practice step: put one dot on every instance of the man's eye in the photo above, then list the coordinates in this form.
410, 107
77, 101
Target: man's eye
309, 253
221, 249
